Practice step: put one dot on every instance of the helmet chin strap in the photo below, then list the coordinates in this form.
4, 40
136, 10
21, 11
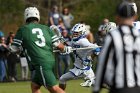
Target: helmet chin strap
80, 37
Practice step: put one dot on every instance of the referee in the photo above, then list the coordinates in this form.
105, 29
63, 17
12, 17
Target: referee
119, 60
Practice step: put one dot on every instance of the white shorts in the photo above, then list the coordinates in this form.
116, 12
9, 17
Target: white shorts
82, 73
76, 73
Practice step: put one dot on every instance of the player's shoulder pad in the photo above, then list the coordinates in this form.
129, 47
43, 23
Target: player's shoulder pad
83, 41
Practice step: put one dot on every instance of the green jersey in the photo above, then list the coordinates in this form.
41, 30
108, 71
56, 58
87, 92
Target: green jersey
37, 40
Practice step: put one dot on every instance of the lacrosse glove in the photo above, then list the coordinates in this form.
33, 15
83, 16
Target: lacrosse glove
97, 51
67, 50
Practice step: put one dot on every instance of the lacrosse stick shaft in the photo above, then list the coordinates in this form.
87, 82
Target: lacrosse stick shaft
79, 48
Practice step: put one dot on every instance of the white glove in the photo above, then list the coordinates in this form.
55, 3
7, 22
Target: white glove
67, 50
85, 63
97, 51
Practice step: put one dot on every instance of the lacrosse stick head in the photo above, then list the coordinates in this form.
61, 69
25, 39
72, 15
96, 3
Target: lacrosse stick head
56, 30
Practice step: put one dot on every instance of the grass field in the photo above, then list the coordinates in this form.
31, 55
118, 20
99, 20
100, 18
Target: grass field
24, 87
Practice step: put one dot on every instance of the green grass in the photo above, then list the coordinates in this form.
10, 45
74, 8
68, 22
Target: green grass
24, 87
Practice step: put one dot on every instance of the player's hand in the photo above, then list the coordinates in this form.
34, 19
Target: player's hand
67, 50
85, 63
97, 51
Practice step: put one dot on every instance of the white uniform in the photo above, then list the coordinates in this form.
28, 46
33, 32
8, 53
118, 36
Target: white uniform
82, 53
81, 69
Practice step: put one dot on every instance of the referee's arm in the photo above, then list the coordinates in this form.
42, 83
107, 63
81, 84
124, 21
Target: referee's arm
101, 65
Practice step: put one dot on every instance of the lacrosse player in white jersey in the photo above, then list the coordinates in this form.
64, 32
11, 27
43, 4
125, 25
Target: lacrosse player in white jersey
82, 67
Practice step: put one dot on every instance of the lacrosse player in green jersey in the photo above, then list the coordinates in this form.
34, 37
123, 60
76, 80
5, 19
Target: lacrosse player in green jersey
38, 41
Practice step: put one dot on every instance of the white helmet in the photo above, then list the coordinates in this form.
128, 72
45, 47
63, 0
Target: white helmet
31, 12
134, 6
109, 26
78, 30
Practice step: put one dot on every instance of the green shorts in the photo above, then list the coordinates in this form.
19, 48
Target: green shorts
43, 75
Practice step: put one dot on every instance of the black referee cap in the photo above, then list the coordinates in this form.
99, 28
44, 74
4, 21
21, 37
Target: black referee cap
125, 10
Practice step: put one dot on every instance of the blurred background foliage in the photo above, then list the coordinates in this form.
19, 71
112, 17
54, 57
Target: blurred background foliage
91, 12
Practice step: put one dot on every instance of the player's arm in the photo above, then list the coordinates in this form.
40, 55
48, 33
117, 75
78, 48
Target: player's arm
101, 65
16, 45
90, 37
56, 41
86, 43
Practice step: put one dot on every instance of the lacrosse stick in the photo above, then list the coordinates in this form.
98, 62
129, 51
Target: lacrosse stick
85, 48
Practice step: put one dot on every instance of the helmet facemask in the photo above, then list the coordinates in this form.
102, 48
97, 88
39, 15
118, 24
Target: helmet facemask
76, 34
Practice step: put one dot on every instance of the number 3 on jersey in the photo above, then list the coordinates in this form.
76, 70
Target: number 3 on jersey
39, 33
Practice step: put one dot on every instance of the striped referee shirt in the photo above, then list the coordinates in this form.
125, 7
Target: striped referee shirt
119, 60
